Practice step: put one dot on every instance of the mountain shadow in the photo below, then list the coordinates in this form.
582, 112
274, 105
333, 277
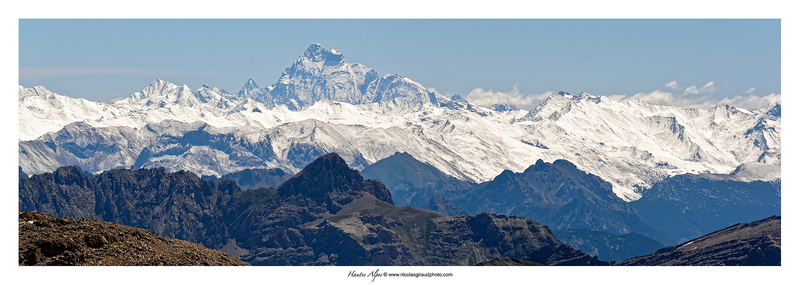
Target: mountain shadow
412, 182
754, 243
688, 206
608, 246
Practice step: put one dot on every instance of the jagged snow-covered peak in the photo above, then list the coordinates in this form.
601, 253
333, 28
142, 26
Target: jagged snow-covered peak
160, 91
319, 74
42, 111
250, 84
250, 90
627, 143
503, 107
317, 53
324, 75
399, 91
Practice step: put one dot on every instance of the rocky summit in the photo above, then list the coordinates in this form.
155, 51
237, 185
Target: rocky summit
47, 240
559, 195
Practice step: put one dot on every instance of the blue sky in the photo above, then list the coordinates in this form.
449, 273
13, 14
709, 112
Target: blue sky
518, 61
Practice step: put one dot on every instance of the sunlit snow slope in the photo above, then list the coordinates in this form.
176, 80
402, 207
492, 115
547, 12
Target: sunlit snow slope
322, 103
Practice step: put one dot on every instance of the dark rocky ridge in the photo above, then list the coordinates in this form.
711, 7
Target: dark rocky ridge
754, 243
561, 196
47, 240
412, 182
255, 178
324, 215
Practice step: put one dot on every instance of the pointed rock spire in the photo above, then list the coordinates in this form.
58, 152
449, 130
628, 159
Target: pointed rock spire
328, 179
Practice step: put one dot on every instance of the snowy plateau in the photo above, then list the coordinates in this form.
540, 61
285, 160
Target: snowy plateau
322, 104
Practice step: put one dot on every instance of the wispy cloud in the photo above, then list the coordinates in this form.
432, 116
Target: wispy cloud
486, 98
50, 71
689, 98
751, 102
673, 85
708, 88
657, 97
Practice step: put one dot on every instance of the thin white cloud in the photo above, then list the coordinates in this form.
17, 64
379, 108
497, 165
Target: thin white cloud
751, 102
658, 97
50, 71
708, 88
617, 97
673, 85
486, 98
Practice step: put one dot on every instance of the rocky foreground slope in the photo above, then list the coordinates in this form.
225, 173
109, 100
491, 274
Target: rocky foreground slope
47, 240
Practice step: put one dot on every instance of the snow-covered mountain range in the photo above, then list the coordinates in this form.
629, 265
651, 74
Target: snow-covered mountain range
322, 104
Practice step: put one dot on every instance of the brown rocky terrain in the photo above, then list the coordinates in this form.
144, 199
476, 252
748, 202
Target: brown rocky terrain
47, 240
754, 243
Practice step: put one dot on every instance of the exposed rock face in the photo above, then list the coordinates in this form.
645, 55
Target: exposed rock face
324, 215
47, 240
561, 196
755, 243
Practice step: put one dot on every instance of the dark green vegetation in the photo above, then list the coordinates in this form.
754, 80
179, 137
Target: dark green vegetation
754, 243
414, 183
607, 246
688, 206
324, 215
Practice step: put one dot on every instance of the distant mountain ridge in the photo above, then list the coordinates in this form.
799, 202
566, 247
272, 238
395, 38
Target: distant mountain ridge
325, 214
413, 182
608, 246
255, 178
688, 206
561, 196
